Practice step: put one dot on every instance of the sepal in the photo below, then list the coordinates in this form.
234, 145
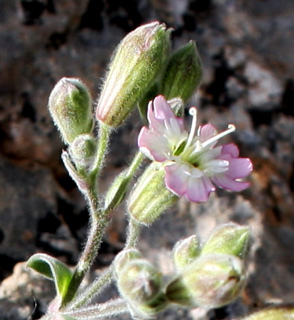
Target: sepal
117, 191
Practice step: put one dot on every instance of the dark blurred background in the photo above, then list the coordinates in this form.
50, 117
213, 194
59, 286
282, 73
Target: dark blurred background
248, 62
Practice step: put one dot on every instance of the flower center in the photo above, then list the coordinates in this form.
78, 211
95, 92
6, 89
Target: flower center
196, 152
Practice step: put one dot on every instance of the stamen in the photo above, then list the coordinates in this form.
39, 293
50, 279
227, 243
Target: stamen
231, 128
193, 113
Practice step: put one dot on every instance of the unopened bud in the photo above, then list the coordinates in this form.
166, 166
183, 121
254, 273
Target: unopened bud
275, 313
183, 73
137, 60
185, 252
70, 107
139, 282
124, 257
229, 238
83, 151
150, 197
211, 281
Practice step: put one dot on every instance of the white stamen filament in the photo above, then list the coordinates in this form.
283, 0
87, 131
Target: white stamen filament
231, 128
193, 113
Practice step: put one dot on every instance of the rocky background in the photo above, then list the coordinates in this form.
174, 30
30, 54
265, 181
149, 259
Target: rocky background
247, 51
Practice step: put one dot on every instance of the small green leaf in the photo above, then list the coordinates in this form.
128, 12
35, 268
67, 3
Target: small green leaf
52, 269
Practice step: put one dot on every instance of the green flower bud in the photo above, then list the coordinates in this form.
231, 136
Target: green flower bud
211, 281
124, 257
139, 282
117, 191
185, 252
70, 107
83, 151
150, 197
138, 59
183, 73
276, 313
230, 239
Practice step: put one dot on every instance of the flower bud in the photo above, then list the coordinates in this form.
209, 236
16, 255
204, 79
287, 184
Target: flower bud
276, 313
70, 107
139, 282
83, 151
229, 238
124, 257
185, 252
150, 197
211, 281
136, 62
183, 73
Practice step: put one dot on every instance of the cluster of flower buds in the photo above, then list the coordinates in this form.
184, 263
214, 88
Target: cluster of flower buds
208, 277
213, 276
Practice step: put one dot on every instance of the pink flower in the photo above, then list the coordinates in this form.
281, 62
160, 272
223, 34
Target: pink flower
193, 163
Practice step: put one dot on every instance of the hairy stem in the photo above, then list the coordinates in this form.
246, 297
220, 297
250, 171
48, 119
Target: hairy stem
107, 309
93, 290
134, 229
98, 225
98, 222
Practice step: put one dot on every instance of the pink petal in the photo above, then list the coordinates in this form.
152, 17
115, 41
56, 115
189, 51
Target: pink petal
239, 168
206, 132
155, 123
176, 178
227, 183
230, 149
199, 189
153, 145
162, 109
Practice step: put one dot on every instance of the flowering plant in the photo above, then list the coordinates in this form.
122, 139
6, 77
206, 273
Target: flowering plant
183, 164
